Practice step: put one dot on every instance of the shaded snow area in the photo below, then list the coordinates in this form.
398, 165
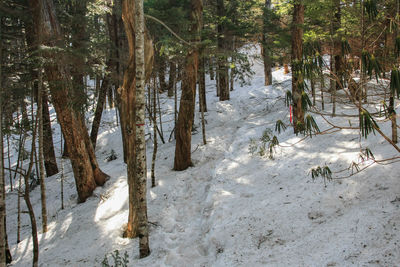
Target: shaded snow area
232, 208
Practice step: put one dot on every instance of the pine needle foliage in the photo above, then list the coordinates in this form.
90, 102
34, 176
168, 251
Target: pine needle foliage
395, 82
325, 172
280, 126
310, 126
367, 123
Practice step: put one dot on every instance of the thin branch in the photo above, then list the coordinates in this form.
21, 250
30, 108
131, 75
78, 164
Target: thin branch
169, 29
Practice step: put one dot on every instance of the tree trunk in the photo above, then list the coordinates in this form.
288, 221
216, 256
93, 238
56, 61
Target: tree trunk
79, 45
41, 157
202, 85
105, 87
50, 162
265, 45
297, 75
172, 78
140, 142
128, 119
223, 75
86, 170
337, 50
2, 180
161, 73
183, 129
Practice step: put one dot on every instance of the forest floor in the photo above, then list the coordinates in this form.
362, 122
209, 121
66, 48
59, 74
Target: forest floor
233, 208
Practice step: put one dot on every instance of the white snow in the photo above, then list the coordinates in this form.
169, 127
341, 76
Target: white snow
232, 208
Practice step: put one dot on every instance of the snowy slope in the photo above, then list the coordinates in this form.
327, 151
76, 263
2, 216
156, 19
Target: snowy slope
232, 208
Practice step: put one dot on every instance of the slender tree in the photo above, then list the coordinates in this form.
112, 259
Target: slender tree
297, 76
265, 44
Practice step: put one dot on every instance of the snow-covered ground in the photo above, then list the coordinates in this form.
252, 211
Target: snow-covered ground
232, 208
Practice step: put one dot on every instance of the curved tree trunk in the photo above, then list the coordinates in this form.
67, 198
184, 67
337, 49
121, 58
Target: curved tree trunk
86, 170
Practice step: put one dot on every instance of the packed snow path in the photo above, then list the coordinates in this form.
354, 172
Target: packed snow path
232, 208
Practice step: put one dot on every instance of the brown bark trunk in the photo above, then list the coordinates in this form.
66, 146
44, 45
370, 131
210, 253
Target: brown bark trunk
161, 73
202, 85
50, 162
223, 75
172, 78
183, 151
105, 87
87, 173
127, 114
338, 59
265, 43
297, 76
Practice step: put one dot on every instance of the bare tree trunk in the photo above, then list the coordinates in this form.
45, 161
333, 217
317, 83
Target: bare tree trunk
172, 78
28, 201
140, 142
265, 45
128, 115
223, 76
2, 180
105, 87
297, 76
202, 85
41, 157
337, 50
183, 158
50, 162
155, 143
87, 173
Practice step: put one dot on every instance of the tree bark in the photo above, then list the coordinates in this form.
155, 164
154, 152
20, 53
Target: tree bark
128, 116
337, 50
183, 158
105, 87
50, 162
297, 76
265, 45
140, 110
41, 157
172, 78
202, 85
86, 170
2, 180
223, 72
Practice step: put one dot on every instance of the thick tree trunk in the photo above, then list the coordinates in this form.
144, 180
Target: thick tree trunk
265, 45
183, 158
297, 75
128, 119
79, 45
223, 72
86, 170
